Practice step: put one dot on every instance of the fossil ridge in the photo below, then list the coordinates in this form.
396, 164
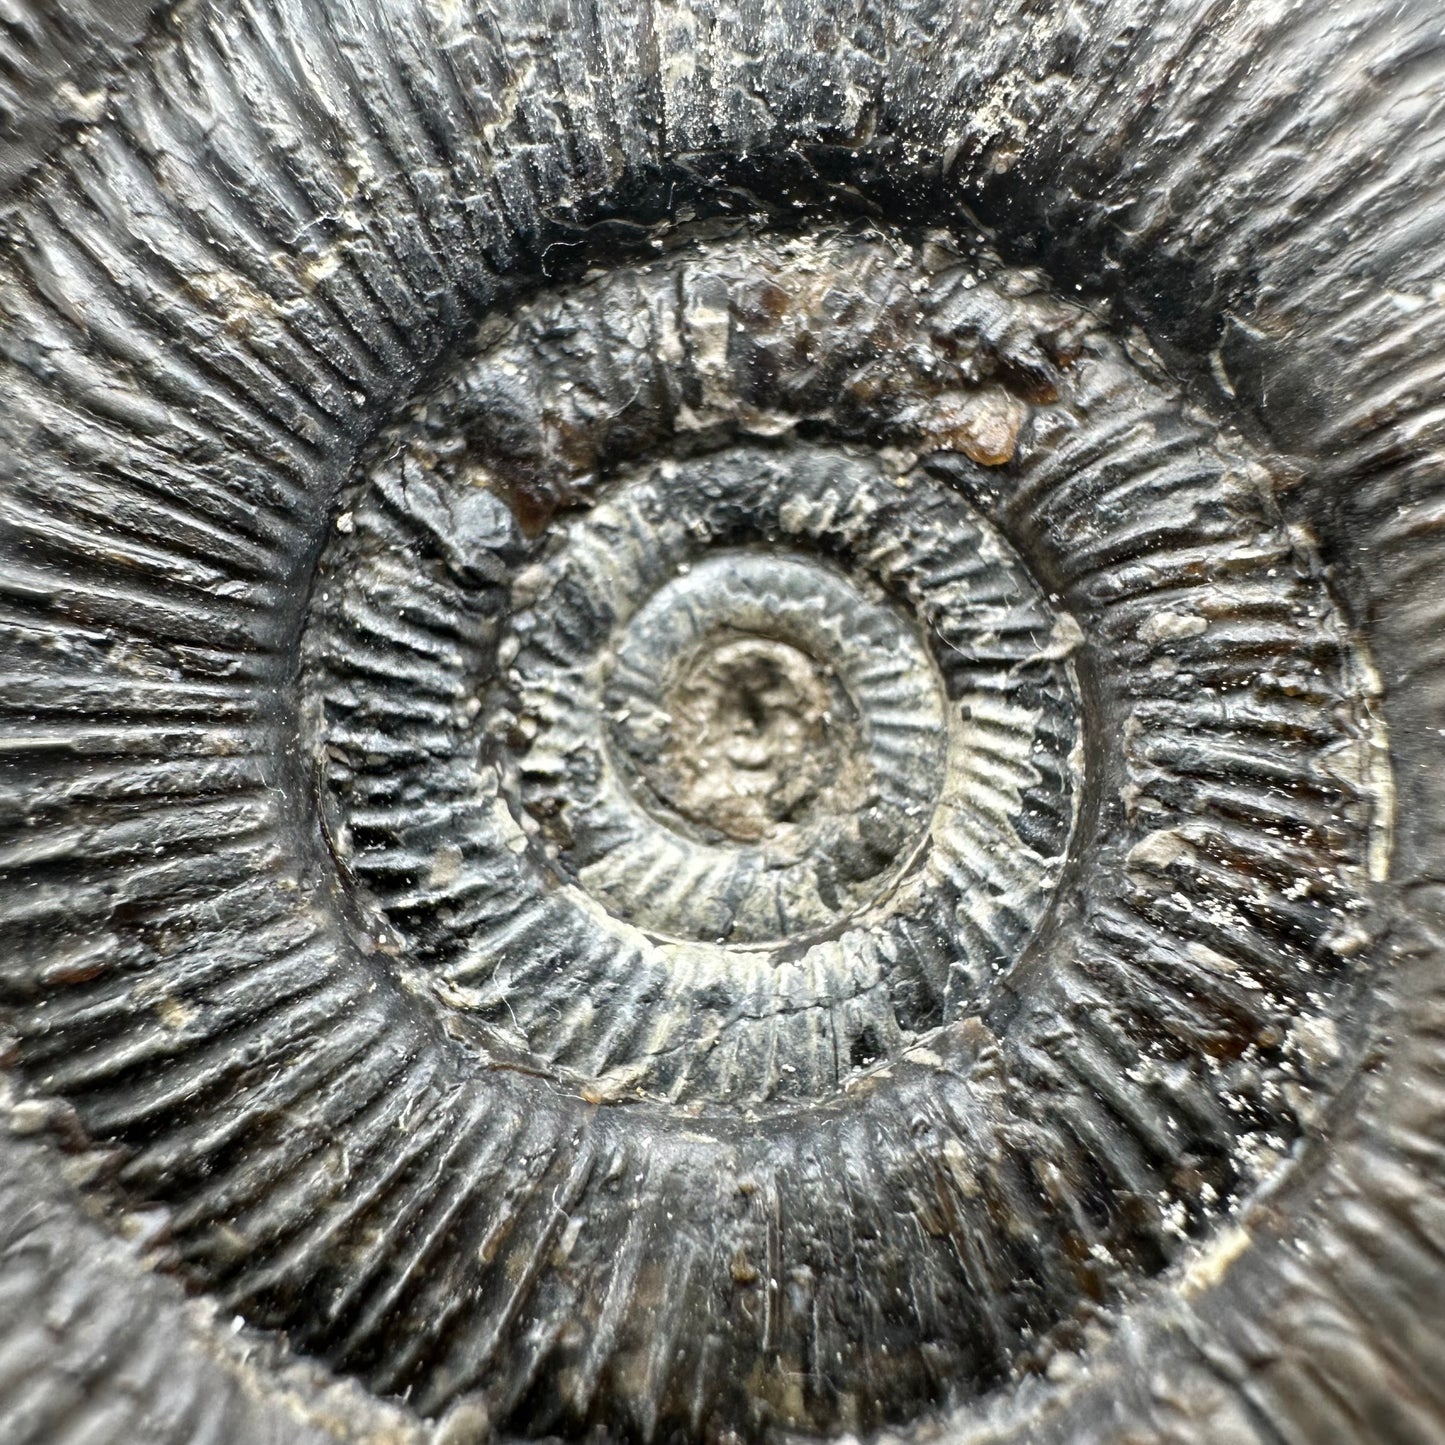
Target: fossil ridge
483, 492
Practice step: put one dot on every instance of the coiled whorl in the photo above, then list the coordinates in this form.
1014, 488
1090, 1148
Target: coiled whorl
722, 722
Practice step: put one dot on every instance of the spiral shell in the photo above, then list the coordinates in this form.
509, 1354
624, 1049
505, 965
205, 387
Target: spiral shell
721, 723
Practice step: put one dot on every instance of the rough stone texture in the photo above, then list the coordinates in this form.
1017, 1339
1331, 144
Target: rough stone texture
1178, 1175
58, 65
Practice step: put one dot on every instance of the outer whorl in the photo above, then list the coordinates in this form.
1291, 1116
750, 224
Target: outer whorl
721, 723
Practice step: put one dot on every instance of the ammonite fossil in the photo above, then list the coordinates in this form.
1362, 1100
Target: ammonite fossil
722, 723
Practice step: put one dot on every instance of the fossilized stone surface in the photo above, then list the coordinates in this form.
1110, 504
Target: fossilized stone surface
721, 723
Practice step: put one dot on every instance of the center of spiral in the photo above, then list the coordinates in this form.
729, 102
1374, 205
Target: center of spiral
767, 741
771, 769
755, 738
